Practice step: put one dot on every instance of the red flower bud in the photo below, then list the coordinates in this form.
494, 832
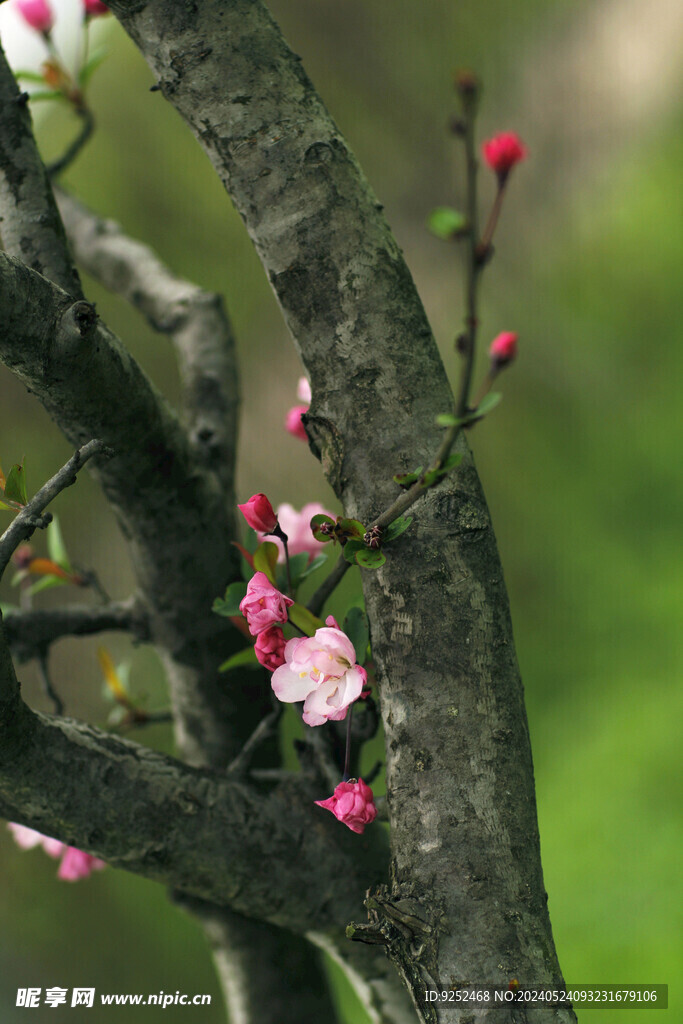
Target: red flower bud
36, 13
503, 349
502, 152
259, 514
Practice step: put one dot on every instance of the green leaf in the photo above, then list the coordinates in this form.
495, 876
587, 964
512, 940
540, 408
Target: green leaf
55, 545
396, 528
316, 523
304, 620
447, 419
230, 604
408, 479
243, 659
351, 527
15, 488
251, 541
350, 549
90, 67
47, 94
357, 629
451, 462
368, 559
297, 565
487, 403
317, 562
446, 223
265, 559
44, 583
30, 76
8, 508
432, 477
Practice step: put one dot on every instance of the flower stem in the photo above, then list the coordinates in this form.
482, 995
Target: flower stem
347, 753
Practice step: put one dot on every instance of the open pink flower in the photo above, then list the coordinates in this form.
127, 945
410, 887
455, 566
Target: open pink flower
270, 648
75, 863
297, 526
259, 514
293, 424
352, 802
36, 13
503, 348
263, 605
503, 151
320, 670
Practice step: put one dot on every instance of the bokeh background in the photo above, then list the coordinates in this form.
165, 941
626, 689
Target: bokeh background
581, 463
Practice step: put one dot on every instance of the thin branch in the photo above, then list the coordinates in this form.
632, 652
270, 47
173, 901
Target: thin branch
87, 128
328, 585
29, 632
50, 692
195, 320
266, 728
30, 518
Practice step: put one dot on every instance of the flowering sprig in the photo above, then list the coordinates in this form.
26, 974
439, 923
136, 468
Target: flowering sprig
74, 864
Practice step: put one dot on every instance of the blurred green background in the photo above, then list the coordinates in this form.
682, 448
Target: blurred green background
581, 463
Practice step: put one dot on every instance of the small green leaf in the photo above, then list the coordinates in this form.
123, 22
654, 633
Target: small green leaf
8, 508
90, 67
487, 403
351, 527
46, 94
432, 477
446, 223
316, 523
245, 658
30, 76
297, 565
451, 462
396, 528
265, 559
251, 541
304, 620
370, 559
44, 583
15, 488
350, 549
316, 564
55, 545
447, 419
230, 604
357, 629
408, 479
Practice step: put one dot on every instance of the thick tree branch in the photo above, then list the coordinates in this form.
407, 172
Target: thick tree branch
30, 632
31, 228
459, 773
195, 320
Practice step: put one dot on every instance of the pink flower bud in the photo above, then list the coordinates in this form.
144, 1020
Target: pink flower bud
502, 152
92, 8
23, 556
259, 514
77, 864
263, 605
293, 424
270, 648
503, 349
352, 803
36, 13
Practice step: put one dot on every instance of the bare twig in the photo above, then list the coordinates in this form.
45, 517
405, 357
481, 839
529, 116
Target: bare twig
321, 595
266, 728
72, 151
31, 518
44, 672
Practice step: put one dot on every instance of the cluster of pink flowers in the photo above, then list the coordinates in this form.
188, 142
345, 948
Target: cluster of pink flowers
293, 422
38, 14
74, 864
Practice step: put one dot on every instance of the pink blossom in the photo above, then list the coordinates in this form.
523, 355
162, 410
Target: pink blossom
36, 13
77, 864
503, 348
259, 514
270, 648
297, 526
293, 423
503, 151
303, 390
352, 803
263, 605
321, 671
94, 7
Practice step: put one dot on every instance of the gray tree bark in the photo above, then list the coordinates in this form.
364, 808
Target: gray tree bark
463, 900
